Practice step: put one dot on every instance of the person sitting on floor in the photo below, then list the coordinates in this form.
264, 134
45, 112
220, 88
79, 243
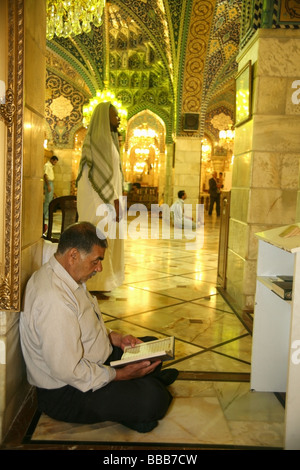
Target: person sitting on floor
67, 348
177, 213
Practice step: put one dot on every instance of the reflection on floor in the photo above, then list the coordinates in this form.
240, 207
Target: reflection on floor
171, 290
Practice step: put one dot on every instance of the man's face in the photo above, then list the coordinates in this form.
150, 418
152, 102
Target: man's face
114, 119
86, 266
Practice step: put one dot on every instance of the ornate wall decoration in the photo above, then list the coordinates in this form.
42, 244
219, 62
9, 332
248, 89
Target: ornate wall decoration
63, 110
197, 43
11, 199
223, 45
221, 65
272, 14
290, 11
212, 121
70, 72
175, 12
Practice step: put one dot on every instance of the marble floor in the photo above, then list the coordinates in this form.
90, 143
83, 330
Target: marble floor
170, 289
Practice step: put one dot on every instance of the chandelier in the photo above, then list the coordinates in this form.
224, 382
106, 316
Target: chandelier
144, 133
226, 138
139, 167
205, 150
67, 18
143, 150
104, 96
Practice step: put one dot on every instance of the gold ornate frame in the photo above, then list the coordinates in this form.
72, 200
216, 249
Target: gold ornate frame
11, 112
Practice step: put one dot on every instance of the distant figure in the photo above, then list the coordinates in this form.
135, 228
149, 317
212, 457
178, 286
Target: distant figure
48, 187
177, 209
100, 182
136, 186
220, 181
214, 193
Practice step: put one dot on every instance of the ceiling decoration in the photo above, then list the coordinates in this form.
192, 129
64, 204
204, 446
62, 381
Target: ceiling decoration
196, 52
165, 56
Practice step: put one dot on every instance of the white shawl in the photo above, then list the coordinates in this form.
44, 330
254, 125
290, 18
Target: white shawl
97, 153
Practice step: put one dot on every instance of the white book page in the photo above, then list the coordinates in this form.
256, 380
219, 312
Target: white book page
145, 349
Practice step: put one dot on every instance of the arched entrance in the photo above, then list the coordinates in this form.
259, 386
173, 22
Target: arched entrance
144, 153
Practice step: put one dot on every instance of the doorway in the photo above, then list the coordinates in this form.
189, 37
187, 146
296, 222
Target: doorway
144, 154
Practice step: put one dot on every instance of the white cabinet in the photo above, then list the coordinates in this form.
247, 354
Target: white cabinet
275, 364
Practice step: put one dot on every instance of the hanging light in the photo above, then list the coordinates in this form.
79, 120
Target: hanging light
226, 138
139, 167
67, 18
143, 152
206, 150
104, 96
144, 133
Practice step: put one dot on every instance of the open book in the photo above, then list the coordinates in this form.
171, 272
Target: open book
159, 349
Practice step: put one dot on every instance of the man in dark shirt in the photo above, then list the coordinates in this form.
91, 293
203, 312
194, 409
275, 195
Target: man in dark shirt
214, 193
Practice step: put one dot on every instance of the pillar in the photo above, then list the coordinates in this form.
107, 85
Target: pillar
265, 178
187, 169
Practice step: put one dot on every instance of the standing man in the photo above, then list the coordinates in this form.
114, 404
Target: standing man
48, 187
214, 193
100, 187
67, 348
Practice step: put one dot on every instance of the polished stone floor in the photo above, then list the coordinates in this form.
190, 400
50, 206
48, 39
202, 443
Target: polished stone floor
170, 289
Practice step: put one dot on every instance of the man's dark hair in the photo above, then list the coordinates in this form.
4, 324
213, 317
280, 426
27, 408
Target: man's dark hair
83, 236
180, 194
54, 157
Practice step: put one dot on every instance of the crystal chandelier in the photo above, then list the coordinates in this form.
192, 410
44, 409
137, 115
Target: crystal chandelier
67, 18
205, 150
226, 138
104, 96
142, 140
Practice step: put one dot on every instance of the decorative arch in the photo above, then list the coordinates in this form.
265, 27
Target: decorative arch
153, 120
144, 155
157, 111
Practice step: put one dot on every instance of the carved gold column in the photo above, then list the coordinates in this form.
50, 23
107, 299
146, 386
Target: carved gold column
11, 113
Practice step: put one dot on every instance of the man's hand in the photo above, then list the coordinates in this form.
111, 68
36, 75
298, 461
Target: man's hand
122, 341
131, 371
134, 371
129, 340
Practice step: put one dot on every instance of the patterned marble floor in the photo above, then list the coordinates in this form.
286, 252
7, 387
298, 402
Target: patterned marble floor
170, 290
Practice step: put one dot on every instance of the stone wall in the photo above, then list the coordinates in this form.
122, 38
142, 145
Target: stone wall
265, 177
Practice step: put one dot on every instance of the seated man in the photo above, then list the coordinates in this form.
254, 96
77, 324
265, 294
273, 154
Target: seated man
177, 212
67, 348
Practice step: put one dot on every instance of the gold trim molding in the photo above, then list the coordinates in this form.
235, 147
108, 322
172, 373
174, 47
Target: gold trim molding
12, 197
7, 110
